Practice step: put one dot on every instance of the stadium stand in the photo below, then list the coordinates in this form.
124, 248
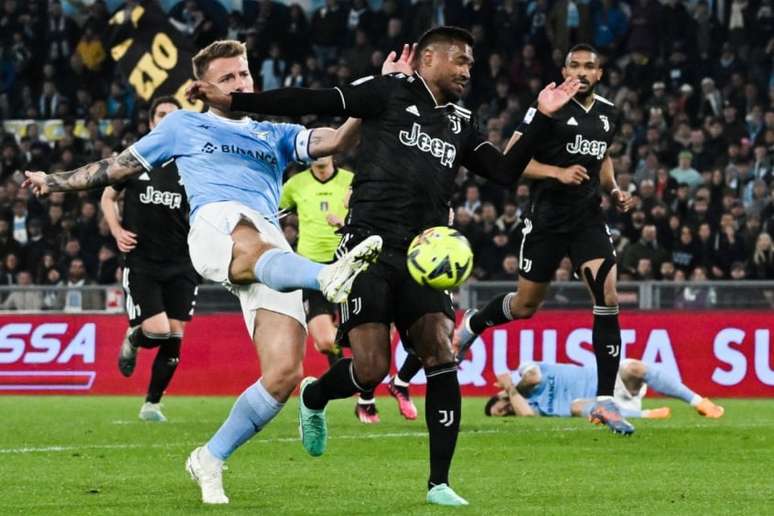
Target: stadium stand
695, 144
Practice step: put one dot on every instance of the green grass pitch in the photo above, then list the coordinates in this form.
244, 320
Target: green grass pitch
90, 455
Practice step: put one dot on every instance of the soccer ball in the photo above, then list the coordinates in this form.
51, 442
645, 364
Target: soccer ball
440, 258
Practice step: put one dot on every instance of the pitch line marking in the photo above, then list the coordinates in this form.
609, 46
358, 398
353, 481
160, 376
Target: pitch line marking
56, 449
386, 435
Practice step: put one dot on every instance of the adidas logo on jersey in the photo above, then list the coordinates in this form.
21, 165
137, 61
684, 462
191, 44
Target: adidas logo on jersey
413, 110
572, 121
424, 142
153, 196
587, 147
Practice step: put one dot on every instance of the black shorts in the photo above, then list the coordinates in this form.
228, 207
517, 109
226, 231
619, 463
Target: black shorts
315, 304
541, 251
386, 293
150, 291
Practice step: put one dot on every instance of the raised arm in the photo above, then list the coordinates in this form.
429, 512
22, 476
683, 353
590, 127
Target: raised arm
94, 175
349, 100
506, 169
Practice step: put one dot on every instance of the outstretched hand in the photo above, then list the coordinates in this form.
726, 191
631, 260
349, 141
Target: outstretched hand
36, 181
403, 64
553, 97
209, 94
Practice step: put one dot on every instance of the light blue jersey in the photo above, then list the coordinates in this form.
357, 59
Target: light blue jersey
559, 386
220, 159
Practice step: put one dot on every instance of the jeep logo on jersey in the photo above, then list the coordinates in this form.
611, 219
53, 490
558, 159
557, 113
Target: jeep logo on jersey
153, 196
424, 142
587, 147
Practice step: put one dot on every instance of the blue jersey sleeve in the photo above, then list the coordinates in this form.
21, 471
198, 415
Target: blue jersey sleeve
160, 145
292, 142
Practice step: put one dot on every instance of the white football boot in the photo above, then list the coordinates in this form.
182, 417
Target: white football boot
337, 278
207, 471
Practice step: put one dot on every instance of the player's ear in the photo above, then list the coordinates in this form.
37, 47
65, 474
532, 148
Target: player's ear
427, 56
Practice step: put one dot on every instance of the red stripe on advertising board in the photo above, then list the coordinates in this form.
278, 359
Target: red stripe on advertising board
728, 354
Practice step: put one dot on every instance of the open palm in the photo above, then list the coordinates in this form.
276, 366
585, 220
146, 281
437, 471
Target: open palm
553, 97
403, 64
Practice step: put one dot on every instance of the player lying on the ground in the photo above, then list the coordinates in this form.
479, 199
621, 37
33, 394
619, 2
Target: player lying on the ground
232, 172
565, 390
570, 168
159, 280
414, 139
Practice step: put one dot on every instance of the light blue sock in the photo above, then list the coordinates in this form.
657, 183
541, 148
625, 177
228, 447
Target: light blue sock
285, 271
253, 409
661, 381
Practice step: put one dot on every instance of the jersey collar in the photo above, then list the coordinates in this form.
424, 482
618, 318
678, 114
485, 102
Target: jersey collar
427, 88
242, 121
335, 173
584, 108
451, 106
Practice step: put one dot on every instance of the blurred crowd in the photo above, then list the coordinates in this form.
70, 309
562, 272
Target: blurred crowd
692, 80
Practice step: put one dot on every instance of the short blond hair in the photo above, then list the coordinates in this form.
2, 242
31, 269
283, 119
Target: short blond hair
216, 50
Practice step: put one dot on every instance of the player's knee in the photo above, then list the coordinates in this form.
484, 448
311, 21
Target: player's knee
525, 309
281, 379
158, 326
368, 377
242, 264
611, 298
325, 345
440, 352
632, 369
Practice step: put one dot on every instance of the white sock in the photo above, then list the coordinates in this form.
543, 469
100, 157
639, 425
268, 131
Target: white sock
397, 381
696, 400
361, 401
207, 459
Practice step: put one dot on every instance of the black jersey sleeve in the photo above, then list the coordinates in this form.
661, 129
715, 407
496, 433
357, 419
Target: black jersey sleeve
483, 159
364, 98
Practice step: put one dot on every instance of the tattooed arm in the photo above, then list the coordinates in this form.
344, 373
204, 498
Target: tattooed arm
94, 175
325, 141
